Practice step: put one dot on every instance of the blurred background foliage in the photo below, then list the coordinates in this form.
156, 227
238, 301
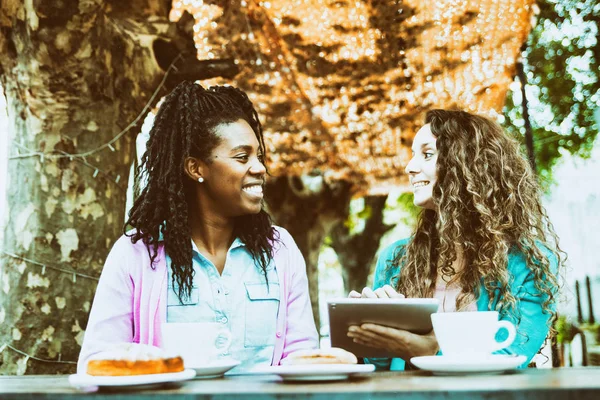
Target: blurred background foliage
561, 60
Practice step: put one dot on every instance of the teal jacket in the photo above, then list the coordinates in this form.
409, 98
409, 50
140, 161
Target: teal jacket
532, 329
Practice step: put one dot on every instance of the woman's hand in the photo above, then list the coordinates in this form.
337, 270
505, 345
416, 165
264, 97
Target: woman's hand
384, 292
403, 344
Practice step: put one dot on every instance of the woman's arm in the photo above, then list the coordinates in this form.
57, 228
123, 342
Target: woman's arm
301, 332
533, 323
111, 317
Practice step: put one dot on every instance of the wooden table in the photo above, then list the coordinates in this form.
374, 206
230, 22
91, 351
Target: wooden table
531, 384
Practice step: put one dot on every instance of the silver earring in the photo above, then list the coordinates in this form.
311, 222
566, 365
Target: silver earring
200, 180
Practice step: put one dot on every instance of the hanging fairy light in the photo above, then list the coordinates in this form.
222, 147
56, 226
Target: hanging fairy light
341, 83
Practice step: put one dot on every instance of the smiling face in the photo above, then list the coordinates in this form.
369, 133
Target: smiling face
235, 174
422, 167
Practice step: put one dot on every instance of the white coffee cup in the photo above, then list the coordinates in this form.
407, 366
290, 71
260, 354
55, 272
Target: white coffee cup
470, 334
198, 343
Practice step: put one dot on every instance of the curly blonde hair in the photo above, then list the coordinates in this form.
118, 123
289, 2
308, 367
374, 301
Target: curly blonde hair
487, 200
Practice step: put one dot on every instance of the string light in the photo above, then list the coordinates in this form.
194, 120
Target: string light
361, 73
62, 154
82, 156
29, 356
44, 266
74, 275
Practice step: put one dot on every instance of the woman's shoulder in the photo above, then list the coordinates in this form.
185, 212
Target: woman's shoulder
286, 254
123, 243
517, 253
389, 252
127, 248
518, 263
126, 243
282, 234
282, 242
384, 270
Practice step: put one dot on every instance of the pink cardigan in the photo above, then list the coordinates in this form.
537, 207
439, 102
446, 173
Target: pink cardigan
130, 301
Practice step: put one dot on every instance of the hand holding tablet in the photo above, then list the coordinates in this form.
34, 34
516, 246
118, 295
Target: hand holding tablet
385, 318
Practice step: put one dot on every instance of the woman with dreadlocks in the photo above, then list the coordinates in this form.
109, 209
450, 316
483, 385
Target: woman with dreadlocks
483, 240
202, 248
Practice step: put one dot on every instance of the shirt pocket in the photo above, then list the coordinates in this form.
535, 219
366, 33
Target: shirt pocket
186, 301
262, 306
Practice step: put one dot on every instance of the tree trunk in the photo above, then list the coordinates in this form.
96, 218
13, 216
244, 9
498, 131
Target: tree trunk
78, 76
308, 208
357, 251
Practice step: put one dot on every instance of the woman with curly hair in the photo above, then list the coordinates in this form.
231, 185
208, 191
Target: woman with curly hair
483, 240
202, 248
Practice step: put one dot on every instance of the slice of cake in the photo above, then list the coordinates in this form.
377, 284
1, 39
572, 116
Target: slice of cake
333, 355
133, 359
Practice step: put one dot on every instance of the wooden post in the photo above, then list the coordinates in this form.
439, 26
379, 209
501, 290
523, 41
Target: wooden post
578, 297
588, 285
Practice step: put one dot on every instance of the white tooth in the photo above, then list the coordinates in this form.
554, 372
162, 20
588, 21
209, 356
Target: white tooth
255, 189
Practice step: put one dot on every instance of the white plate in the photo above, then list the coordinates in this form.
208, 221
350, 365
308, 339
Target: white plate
215, 369
85, 380
315, 372
492, 364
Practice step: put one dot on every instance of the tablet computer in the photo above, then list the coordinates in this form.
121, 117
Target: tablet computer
413, 315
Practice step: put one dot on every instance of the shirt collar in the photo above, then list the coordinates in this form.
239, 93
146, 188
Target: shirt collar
237, 242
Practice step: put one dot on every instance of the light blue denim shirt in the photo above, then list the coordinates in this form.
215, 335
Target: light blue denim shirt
239, 299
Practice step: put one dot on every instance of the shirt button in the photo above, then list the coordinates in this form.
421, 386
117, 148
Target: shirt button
224, 320
221, 341
278, 334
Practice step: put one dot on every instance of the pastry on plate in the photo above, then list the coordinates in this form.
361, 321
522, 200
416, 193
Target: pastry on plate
333, 355
127, 359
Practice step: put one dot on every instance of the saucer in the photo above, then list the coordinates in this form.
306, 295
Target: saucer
134, 381
315, 372
214, 369
447, 365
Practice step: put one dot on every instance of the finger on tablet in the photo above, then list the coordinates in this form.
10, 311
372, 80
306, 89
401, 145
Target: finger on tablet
381, 293
367, 292
354, 294
391, 292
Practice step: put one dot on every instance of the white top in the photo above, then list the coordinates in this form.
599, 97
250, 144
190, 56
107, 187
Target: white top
447, 296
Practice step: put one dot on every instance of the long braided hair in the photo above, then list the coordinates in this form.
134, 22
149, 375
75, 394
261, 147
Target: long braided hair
185, 127
488, 200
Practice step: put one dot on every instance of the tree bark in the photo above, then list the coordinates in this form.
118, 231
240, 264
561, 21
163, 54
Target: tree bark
357, 251
75, 74
308, 208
